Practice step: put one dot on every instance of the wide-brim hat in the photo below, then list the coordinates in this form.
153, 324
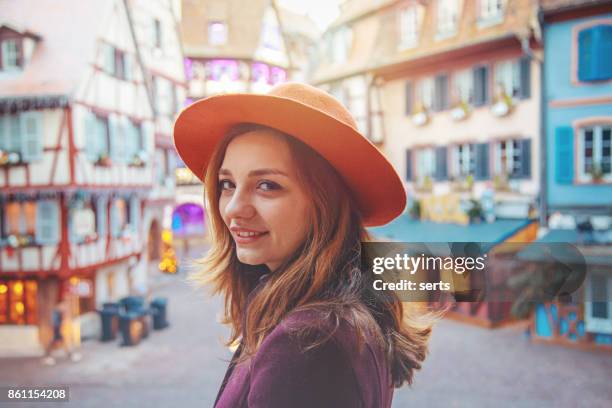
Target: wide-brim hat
310, 115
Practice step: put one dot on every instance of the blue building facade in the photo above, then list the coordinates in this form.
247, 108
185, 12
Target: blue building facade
577, 96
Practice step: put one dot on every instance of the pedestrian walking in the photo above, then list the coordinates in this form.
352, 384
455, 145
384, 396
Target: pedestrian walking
59, 321
290, 185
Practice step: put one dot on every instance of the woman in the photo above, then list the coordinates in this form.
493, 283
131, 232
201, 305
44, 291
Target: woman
290, 185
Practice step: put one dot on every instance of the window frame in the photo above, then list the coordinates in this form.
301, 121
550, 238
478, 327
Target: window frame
597, 149
217, 32
408, 33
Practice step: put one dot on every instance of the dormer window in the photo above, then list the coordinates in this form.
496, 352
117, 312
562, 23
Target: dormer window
10, 50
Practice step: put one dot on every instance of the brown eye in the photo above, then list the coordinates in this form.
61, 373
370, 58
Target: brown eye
225, 184
269, 186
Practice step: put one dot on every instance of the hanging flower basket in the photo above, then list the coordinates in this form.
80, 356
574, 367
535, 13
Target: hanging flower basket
9, 158
460, 111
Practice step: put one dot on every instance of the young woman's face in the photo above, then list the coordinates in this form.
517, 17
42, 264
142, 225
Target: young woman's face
261, 200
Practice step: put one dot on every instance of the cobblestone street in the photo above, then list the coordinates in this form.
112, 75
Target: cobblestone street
183, 365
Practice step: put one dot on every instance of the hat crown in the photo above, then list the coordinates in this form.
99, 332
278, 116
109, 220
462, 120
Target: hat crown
314, 98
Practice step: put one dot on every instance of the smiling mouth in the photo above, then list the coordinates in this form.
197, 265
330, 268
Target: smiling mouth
247, 237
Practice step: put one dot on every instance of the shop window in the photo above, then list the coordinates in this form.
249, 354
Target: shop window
598, 307
18, 302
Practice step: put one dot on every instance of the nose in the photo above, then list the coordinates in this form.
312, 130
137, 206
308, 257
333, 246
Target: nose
239, 205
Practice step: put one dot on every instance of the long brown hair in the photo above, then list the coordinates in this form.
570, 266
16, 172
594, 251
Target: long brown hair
323, 275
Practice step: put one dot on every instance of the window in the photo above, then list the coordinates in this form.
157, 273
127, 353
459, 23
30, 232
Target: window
464, 87
507, 78
463, 160
594, 53
342, 40
513, 158
447, 17
491, 11
116, 62
426, 164
217, 33
594, 159
32, 221
134, 146
22, 133
97, 138
271, 36
598, 308
513, 77
425, 93
408, 28
11, 54
18, 301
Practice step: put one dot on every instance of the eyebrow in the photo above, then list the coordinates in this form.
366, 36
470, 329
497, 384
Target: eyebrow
254, 173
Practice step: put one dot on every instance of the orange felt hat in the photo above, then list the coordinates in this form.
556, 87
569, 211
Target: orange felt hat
310, 115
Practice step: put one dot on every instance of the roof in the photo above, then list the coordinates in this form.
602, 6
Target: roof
594, 248
60, 57
563, 5
295, 24
405, 229
243, 27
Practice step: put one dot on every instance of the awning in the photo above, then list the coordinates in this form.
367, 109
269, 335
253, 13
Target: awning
405, 229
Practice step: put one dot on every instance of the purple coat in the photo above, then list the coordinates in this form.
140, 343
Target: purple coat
334, 374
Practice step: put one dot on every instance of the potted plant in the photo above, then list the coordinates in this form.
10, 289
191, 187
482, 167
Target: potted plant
420, 116
503, 102
500, 182
415, 210
475, 213
596, 173
104, 160
460, 111
426, 184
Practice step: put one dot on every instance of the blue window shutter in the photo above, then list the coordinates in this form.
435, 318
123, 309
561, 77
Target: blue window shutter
408, 165
135, 213
114, 219
117, 138
526, 158
441, 163
101, 136
586, 54
564, 155
482, 161
14, 137
525, 77
481, 85
101, 215
409, 97
4, 132
32, 136
605, 52
91, 137
47, 222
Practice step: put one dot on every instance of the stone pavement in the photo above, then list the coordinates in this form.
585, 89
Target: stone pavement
183, 365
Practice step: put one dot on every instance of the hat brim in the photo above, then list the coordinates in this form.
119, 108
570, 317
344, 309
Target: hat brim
376, 186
